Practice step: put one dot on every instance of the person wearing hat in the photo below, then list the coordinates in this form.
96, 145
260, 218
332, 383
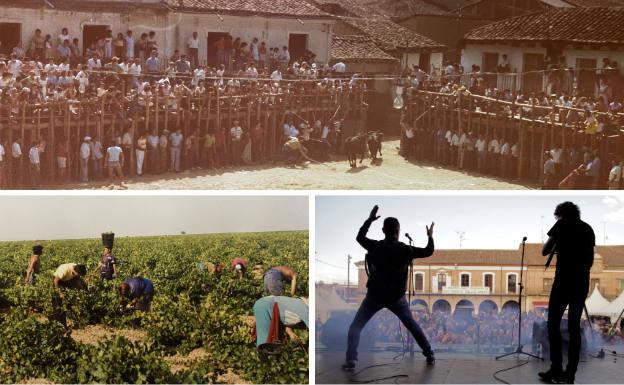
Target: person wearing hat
85, 154
34, 266
275, 277
139, 291
70, 275
108, 264
240, 266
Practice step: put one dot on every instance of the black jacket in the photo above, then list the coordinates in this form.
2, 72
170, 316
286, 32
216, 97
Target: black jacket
574, 242
389, 262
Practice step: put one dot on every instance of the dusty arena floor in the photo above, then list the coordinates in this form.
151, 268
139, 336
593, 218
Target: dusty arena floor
392, 172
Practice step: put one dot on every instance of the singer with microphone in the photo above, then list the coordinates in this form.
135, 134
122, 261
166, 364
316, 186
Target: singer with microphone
573, 241
387, 262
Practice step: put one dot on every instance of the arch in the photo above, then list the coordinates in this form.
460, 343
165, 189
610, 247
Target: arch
488, 306
464, 308
418, 301
441, 305
510, 306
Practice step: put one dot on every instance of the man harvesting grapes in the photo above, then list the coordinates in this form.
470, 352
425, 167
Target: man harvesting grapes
139, 291
275, 277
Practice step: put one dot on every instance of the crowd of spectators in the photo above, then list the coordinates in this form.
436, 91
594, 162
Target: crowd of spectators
126, 76
488, 329
586, 162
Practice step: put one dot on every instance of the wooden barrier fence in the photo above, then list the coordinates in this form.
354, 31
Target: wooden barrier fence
109, 116
536, 129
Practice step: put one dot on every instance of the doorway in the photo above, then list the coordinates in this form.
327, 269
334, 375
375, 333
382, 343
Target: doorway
297, 45
91, 34
533, 81
490, 68
213, 37
587, 76
10, 37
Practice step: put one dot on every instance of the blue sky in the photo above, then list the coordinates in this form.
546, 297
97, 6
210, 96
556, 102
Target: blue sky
488, 222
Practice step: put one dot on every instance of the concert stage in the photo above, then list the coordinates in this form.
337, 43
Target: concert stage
456, 368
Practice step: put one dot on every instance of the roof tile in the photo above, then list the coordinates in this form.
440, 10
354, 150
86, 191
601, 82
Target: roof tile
292, 8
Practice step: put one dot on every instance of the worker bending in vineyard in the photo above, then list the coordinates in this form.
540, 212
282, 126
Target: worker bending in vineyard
275, 277
34, 266
69, 275
239, 265
273, 312
139, 291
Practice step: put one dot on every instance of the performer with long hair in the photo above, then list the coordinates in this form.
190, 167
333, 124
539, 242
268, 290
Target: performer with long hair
573, 241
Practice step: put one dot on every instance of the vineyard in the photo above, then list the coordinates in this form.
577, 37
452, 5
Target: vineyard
199, 329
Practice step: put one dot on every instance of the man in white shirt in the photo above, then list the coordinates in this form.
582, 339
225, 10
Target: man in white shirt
16, 159
494, 156
481, 154
276, 76
290, 131
129, 44
35, 166
97, 157
175, 148
454, 149
85, 154
236, 136
505, 159
615, 175
163, 144
114, 161
94, 63
409, 141
339, 67
557, 156
15, 66
193, 49
2, 167
152, 152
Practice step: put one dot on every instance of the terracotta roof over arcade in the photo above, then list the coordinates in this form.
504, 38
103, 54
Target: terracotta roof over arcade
593, 25
288, 8
358, 48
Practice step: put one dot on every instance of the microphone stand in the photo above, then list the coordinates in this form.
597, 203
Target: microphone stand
409, 296
521, 288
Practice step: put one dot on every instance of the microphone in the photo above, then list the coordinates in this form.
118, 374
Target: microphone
408, 237
524, 239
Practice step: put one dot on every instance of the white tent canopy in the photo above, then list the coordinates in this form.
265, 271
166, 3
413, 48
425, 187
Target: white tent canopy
613, 309
596, 302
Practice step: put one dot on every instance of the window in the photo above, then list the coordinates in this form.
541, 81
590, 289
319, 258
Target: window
419, 282
441, 282
488, 281
512, 282
548, 282
465, 280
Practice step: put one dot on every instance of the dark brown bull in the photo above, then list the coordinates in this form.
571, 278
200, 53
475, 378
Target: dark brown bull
374, 143
354, 146
317, 149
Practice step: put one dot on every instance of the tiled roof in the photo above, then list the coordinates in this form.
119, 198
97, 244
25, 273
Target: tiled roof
389, 35
597, 3
451, 5
597, 25
291, 8
360, 48
346, 7
408, 8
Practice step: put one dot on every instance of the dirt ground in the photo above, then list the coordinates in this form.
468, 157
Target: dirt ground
91, 334
392, 172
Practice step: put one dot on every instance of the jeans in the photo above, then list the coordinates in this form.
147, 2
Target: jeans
84, 169
566, 291
367, 310
175, 159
